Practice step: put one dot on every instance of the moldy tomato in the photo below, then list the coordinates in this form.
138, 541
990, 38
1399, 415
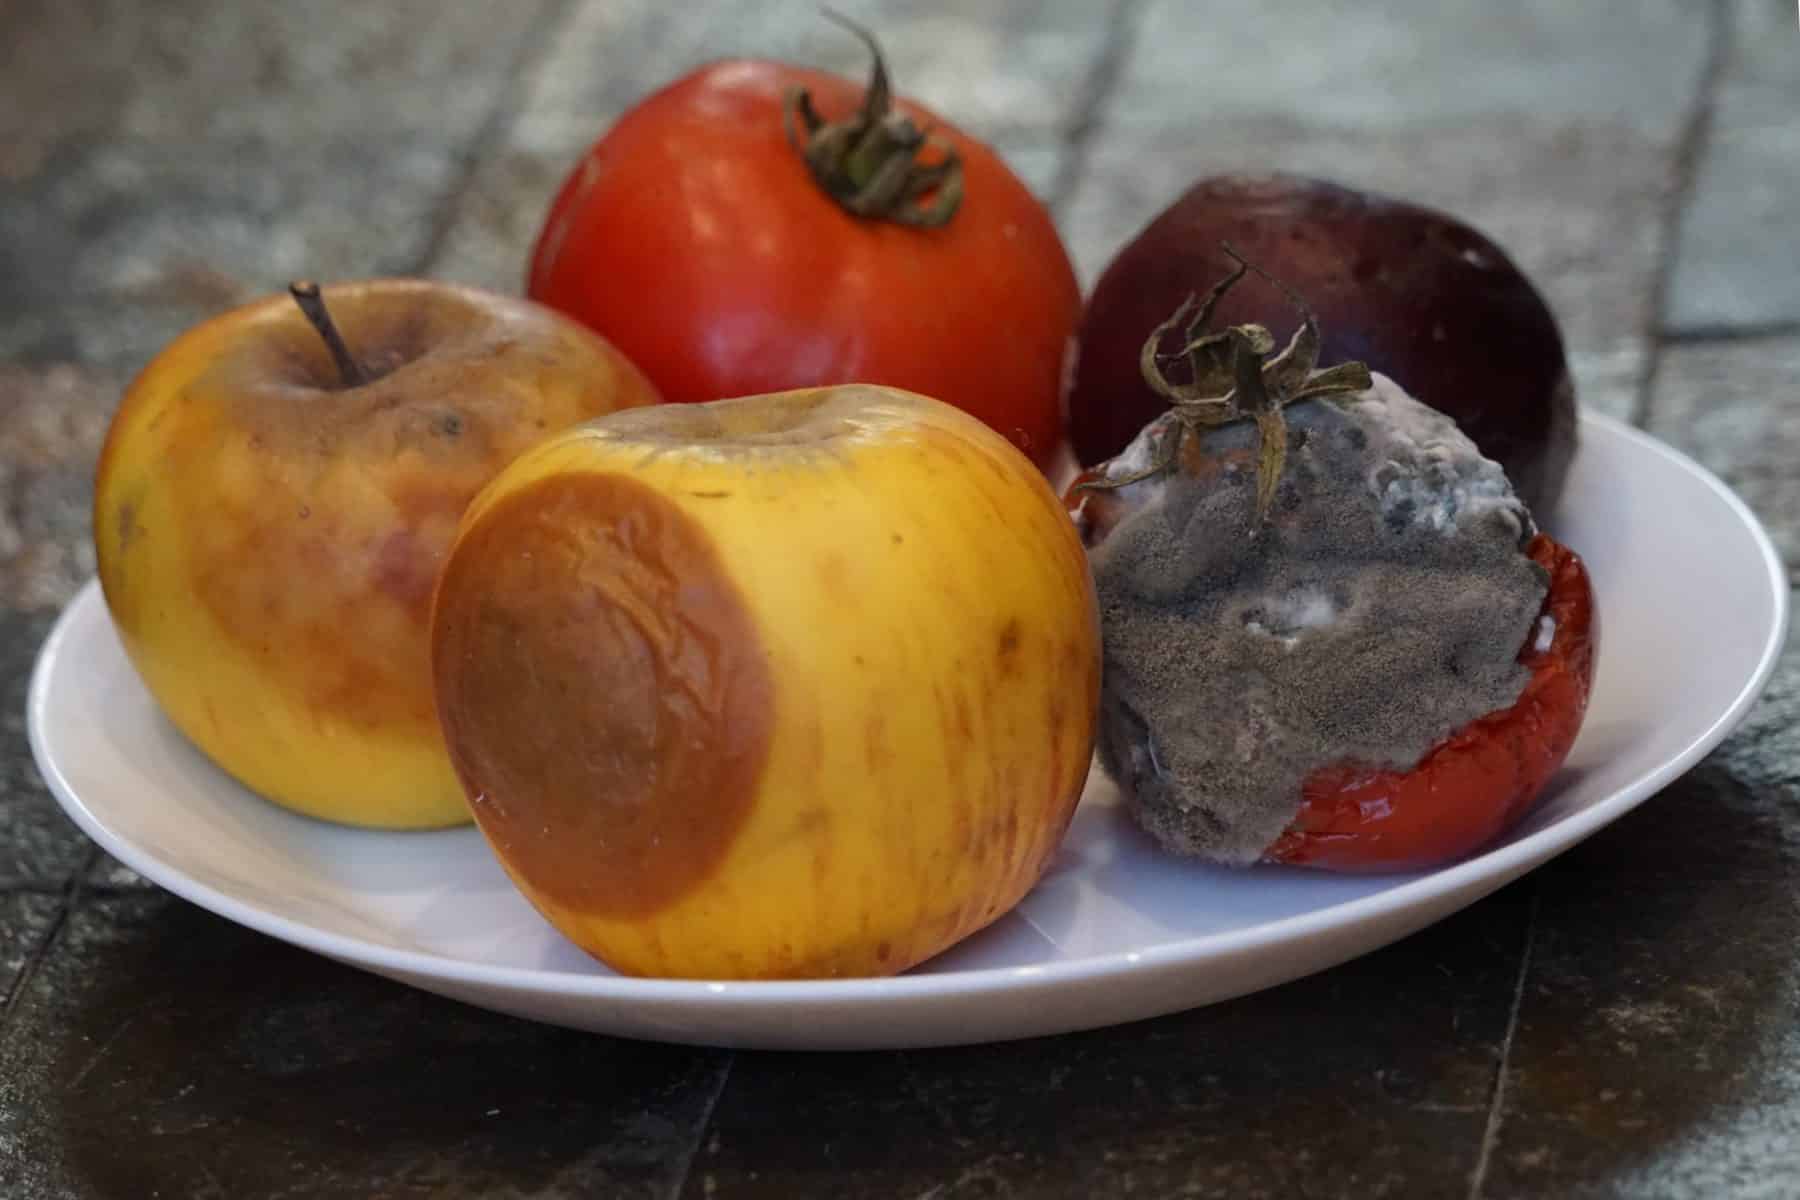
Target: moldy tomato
732, 241
1313, 624
1480, 779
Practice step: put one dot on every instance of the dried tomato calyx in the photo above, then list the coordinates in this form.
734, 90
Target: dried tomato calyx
1231, 378
870, 163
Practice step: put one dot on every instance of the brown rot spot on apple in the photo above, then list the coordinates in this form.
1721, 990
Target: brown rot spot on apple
884, 951
1009, 645
127, 525
601, 681
405, 571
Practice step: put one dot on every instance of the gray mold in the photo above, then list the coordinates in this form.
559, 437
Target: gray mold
1382, 607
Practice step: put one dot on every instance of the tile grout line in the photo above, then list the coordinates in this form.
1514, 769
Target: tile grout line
1695, 136
1490, 1134
89, 887
532, 46
1121, 36
33, 887
1704, 335
72, 890
685, 1167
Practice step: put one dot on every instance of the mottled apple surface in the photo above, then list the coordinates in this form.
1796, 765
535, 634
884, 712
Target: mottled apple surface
797, 685
269, 536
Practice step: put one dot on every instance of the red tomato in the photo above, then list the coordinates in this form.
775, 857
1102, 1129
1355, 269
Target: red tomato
1475, 783
695, 237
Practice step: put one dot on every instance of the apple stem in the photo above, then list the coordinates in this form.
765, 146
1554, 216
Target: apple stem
307, 295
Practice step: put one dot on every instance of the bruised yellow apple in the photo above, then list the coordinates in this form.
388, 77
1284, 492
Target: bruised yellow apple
791, 686
275, 497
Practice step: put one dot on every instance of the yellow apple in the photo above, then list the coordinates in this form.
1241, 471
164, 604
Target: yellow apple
796, 685
274, 501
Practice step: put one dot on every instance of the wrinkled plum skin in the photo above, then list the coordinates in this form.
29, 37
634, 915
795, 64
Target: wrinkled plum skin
1415, 294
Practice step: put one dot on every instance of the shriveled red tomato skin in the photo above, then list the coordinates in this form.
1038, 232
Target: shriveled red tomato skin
1477, 782
694, 237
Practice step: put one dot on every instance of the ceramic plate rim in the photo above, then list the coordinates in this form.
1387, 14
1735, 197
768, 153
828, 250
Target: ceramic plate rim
1502, 863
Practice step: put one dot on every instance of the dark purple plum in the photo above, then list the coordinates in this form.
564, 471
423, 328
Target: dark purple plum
1416, 294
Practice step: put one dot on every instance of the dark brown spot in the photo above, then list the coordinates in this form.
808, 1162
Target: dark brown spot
709, 495
602, 684
294, 591
884, 951
345, 606
127, 525
1009, 640
405, 573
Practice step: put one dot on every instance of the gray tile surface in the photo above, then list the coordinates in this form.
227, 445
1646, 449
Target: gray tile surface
1740, 235
279, 75
162, 1051
993, 67
1732, 405
1656, 1050
26, 919
1620, 1024
112, 250
52, 422
1249, 1099
39, 847
1392, 64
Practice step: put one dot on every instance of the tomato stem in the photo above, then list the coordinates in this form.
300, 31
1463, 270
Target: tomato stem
1231, 378
870, 163
306, 294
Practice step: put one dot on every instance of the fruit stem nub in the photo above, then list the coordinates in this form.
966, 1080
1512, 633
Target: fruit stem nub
312, 302
1231, 378
873, 163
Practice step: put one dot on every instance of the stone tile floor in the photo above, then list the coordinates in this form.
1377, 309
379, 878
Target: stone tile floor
1620, 1023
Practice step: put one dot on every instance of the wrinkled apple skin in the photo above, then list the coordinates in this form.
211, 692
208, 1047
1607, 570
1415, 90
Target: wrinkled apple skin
794, 686
268, 540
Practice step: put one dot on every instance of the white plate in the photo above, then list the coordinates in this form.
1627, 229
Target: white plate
1693, 609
